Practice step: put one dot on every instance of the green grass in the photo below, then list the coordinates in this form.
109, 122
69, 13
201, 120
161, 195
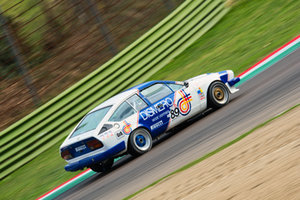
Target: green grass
37, 177
211, 153
250, 31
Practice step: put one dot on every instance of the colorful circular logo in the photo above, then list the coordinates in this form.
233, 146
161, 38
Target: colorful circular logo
184, 103
126, 128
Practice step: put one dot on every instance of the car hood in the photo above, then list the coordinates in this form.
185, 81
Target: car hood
197, 77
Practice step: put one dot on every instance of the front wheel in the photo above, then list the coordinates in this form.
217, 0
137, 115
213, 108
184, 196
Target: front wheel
103, 166
140, 141
218, 95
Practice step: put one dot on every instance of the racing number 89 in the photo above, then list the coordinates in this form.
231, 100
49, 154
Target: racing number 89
174, 113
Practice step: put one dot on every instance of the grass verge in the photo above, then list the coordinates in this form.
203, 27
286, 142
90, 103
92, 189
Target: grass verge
250, 31
37, 177
212, 153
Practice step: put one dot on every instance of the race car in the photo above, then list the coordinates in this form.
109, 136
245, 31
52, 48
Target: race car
129, 121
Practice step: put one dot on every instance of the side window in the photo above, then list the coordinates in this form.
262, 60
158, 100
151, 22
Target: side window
175, 86
156, 92
136, 102
122, 112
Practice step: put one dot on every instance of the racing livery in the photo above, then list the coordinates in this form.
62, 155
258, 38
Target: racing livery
127, 122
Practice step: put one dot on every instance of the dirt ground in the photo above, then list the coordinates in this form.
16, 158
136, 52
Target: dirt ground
264, 165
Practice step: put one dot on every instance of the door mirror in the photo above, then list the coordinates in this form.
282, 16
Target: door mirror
186, 84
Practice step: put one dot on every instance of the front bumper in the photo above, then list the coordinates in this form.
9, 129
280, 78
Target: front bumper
233, 81
95, 158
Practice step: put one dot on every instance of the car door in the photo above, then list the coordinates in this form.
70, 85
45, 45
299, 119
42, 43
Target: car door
127, 113
186, 102
156, 117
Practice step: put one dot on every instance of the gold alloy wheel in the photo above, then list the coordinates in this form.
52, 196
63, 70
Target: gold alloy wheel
219, 93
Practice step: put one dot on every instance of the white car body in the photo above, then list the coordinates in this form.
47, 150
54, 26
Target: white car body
189, 99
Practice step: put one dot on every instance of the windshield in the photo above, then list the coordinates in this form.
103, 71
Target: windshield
91, 121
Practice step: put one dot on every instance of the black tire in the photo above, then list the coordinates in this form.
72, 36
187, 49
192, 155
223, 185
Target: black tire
140, 142
218, 95
104, 166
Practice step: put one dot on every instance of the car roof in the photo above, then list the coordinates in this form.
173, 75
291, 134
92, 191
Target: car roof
116, 100
147, 84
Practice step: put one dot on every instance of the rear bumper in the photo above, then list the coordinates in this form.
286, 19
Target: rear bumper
95, 158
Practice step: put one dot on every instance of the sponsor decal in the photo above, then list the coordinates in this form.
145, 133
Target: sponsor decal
201, 93
174, 113
157, 125
160, 116
156, 108
184, 103
119, 134
126, 128
155, 118
106, 135
163, 114
80, 148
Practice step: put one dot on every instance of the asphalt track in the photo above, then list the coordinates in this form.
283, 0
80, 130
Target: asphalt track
264, 96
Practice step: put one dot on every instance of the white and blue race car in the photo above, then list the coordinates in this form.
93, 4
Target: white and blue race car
128, 122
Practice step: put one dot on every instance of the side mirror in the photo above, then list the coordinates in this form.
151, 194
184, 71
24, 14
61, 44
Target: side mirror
186, 84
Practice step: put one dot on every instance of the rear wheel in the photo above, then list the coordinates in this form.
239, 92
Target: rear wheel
103, 166
218, 95
140, 141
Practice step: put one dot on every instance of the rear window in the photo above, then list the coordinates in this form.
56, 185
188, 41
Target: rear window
91, 121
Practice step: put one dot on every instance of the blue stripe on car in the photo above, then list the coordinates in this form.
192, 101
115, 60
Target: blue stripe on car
224, 76
156, 120
147, 84
95, 158
80, 146
233, 81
